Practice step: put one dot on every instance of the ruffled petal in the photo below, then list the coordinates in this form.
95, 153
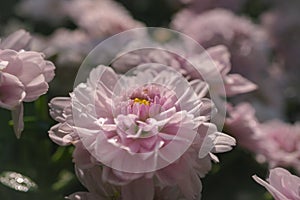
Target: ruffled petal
11, 91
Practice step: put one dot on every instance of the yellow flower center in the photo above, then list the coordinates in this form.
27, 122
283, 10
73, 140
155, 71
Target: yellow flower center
141, 101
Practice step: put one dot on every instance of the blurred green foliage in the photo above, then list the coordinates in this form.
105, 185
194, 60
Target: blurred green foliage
36, 156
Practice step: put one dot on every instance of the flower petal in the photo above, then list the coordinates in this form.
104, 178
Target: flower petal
139, 189
17, 117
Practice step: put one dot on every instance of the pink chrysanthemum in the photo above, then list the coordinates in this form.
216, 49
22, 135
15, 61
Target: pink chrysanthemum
149, 128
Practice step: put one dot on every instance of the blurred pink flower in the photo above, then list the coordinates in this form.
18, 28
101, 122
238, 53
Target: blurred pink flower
282, 23
199, 6
39, 10
280, 144
281, 184
97, 20
24, 76
69, 46
247, 43
249, 47
142, 131
274, 142
100, 18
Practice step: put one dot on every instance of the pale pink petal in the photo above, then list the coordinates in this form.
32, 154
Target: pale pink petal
275, 193
61, 134
46, 67
17, 117
92, 179
236, 84
282, 184
58, 106
48, 71
35, 88
11, 91
15, 65
223, 143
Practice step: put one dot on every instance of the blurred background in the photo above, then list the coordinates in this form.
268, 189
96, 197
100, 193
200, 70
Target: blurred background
66, 30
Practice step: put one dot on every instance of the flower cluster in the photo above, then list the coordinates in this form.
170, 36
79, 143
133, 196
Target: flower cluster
150, 109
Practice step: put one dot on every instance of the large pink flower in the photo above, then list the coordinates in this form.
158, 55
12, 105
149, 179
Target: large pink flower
281, 184
24, 76
148, 125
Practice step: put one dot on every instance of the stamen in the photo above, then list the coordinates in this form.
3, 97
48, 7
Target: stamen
141, 101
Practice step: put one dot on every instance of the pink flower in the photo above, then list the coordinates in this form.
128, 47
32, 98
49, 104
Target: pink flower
100, 17
274, 141
247, 43
281, 184
282, 23
39, 10
149, 125
24, 76
280, 144
199, 6
70, 47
